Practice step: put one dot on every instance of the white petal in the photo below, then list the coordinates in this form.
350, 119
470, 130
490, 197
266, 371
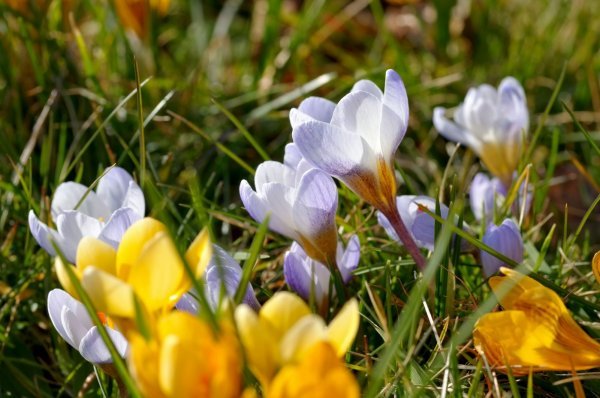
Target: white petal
75, 327
453, 131
279, 199
119, 222
329, 148
292, 156
58, 300
312, 108
349, 258
72, 226
369, 87
271, 171
113, 188
360, 113
42, 233
394, 118
316, 204
93, 349
68, 195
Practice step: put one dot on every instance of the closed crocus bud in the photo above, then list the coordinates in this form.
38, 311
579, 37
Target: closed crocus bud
78, 212
505, 239
484, 194
301, 202
358, 143
305, 275
222, 277
72, 321
492, 123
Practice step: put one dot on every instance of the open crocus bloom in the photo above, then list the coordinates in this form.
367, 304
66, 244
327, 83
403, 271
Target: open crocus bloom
78, 211
319, 373
492, 123
534, 332
305, 275
146, 264
357, 143
301, 201
222, 277
72, 322
185, 359
285, 329
505, 239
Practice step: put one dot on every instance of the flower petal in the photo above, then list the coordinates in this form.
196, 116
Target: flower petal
133, 242
74, 326
113, 188
92, 251
348, 258
304, 275
118, 223
43, 234
394, 115
369, 87
282, 311
273, 172
292, 156
309, 330
329, 148
453, 132
58, 300
93, 349
312, 108
72, 226
505, 239
108, 293
343, 328
596, 266
199, 253
69, 194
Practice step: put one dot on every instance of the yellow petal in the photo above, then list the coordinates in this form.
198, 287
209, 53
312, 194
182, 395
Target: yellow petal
260, 343
158, 273
199, 253
342, 329
301, 337
282, 311
108, 293
134, 240
596, 266
143, 362
63, 276
92, 251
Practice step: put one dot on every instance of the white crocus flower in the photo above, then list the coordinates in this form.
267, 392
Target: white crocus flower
492, 123
72, 321
77, 211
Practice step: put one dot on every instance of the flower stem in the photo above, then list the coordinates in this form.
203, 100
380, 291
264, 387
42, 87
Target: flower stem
405, 237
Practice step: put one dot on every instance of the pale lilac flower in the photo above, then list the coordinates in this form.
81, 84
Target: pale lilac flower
487, 194
301, 202
105, 214
492, 123
357, 143
303, 274
221, 279
73, 323
505, 239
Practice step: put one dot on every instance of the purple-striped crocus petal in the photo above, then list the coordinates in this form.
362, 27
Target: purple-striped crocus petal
452, 131
117, 224
188, 303
223, 272
312, 108
369, 87
258, 208
69, 194
423, 225
69, 317
347, 259
43, 234
394, 117
93, 349
483, 193
113, 188
315, 206
403, 205
331, 149
72, 226
505, 239
513, 104
303, 274
273, 172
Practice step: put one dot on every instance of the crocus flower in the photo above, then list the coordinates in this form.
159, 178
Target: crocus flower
78, 211
301, 201
487, 194
284, 330
505, 239
319, 373
146, 264
358, 142
305, 275
72, 321
492, 123
535, 332
186, 359
222, 272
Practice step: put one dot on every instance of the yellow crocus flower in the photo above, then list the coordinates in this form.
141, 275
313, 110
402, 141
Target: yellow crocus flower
534, 332
146, 264
319, 374
186, 359
285, 329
